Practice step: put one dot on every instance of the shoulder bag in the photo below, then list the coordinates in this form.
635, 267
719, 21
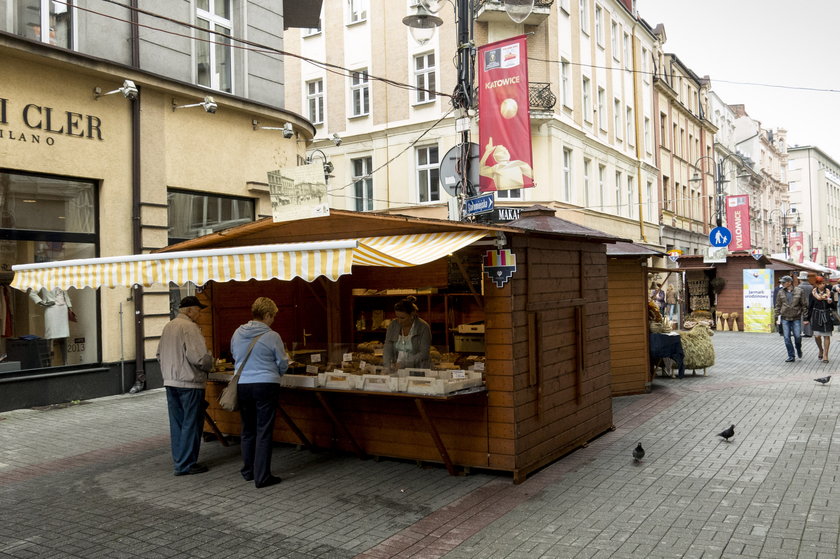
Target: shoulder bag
229, 399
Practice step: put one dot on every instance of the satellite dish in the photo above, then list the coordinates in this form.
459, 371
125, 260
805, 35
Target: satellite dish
519, 10
449, 176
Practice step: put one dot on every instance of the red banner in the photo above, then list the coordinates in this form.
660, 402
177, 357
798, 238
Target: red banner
814, 254
797, 246
832, 262
738, 221
504, 129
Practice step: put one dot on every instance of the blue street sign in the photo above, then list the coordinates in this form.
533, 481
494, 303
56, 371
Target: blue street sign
481, 204
720, 237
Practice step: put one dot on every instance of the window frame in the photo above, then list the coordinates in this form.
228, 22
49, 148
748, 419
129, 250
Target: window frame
352, 15
363, 181
214, 21
584, 16
361, 88
602, 108
423, 74
566, 83
567, 174
429, 168
586, 84
599, 25
319, 98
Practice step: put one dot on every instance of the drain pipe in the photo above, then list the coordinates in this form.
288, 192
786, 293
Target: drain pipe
122, 349
136, 230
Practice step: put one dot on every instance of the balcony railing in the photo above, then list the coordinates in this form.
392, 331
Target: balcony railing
494, 10
540, 96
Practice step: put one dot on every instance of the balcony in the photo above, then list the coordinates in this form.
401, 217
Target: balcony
541, 100
494, 11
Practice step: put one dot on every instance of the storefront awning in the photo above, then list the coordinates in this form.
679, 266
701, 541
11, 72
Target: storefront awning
308, 261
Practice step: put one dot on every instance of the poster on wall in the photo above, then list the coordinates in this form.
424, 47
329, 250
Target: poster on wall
738, 221
504, 129
797, 247
758, 300
832, 262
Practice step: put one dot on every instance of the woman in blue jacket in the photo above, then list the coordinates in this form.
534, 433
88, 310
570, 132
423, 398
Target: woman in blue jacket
259, 388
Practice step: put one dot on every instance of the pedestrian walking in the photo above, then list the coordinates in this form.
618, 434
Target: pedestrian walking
657, 295
671, 300
820, 306
184, 363
259, 351
791, 310
804, 282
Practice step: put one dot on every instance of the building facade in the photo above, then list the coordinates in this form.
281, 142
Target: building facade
591, 96
122, 131
815, 193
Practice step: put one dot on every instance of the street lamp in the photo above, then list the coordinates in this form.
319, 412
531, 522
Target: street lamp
719, 181
784, 213
462, 99
328, 166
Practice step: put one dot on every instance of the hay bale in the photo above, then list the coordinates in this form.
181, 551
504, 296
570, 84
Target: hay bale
698, 348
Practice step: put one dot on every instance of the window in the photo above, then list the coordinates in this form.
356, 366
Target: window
584, 16
647, 135
356, 11
424, 77
213, 59
587, 169
587, 100
41, 20
193, 214
645, 72
663, 129
363, 183
602, 185
512, 194
614, 35
631, 137
567, 175
649, 201
628, 54
602, 109
360, 93
315, 100
618, 193
599, 25
565, 77
428, 183
631, 196
617, 118
44, 219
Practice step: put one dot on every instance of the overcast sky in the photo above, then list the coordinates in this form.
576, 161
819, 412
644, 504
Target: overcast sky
777, 42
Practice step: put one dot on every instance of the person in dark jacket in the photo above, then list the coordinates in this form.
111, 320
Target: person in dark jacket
258, 390
791, 310
820, 306
408, 340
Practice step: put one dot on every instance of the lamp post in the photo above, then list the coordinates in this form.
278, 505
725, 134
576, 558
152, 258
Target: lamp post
784, 217
719, 181
462, 99
327, 164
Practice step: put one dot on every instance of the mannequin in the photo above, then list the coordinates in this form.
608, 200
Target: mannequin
57, 309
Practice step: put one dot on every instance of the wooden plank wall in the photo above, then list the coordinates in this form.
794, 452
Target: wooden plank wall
731, 299
629, 352
560, 288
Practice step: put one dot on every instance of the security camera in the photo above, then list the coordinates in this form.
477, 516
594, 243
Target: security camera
288, 131
210, 105
336, 139
129, 90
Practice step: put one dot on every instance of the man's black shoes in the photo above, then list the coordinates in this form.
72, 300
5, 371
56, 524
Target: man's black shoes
194, 469
790, 360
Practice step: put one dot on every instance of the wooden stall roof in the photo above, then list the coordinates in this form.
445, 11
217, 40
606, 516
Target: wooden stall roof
696, 260
345, 224
624, 249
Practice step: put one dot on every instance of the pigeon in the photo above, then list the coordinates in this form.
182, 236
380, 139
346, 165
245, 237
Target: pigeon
728, 433
823, 380
638, 453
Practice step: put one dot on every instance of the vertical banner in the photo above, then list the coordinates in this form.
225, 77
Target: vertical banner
758, 300
797, 246
738, 221
832, 262
504, 129
814, 254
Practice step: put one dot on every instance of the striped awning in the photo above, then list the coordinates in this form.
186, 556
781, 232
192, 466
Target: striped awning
330, 259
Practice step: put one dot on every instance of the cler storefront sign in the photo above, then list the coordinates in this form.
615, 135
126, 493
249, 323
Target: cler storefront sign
34, 123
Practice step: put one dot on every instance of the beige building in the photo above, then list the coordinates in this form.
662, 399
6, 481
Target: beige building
592, 119
108, 150
815, 193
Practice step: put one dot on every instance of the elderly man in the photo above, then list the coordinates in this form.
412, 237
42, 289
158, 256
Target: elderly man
791, 310
184, 363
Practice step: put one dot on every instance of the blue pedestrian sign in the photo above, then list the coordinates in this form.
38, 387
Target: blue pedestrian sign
720, 237
479, 204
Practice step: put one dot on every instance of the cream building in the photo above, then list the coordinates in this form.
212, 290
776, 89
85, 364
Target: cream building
815, 193
117, 139
592, 118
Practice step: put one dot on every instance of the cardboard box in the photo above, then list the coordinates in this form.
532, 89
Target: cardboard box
473, 328
469, 343
338, 380
306, 381
378, 383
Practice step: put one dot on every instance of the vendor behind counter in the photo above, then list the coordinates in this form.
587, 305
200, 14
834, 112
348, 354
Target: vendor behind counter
408, 338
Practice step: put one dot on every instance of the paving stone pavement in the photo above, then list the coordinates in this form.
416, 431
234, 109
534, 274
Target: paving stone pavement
94, 479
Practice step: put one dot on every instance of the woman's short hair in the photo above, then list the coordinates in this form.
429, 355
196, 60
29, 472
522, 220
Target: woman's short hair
407, 305
819, 279
263, 307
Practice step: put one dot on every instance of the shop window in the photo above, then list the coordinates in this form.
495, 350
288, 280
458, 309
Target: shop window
41, 20
193, 214
47, 219
213, 52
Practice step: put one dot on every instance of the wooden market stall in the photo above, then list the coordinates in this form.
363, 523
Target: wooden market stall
630, 366
545, 345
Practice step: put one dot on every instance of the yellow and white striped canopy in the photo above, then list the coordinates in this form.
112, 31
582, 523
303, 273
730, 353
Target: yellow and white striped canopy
308, 261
